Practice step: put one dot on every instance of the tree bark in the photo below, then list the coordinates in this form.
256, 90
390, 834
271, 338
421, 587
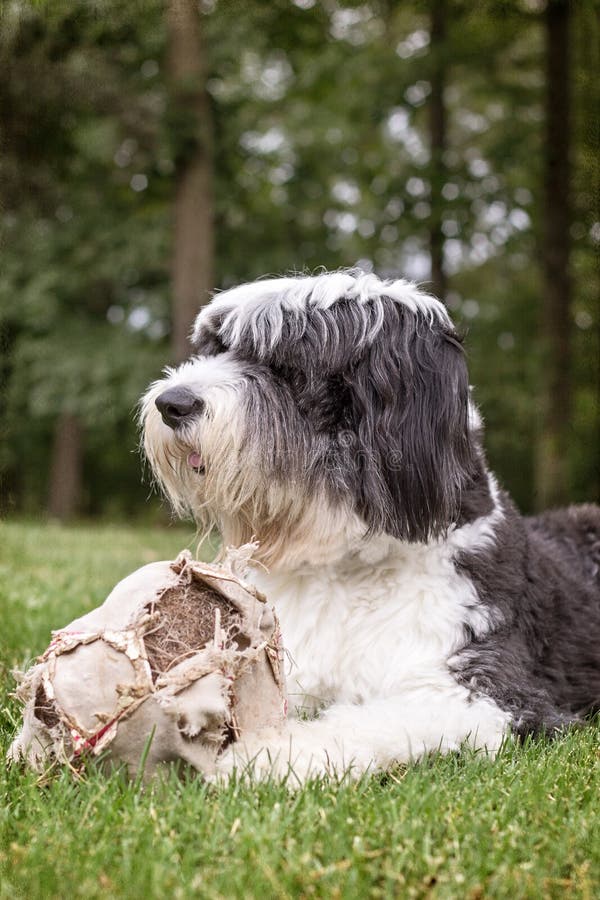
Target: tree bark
437, 137
66, 468
552, 482
190, 115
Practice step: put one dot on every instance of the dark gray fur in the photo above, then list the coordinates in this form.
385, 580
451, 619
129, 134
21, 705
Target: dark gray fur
542, 578
379, 421
382, 423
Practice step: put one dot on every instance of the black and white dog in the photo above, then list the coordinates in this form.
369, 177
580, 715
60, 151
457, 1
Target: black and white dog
330, 418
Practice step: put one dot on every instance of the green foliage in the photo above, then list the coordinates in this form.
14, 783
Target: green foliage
524, 826
83, 292
320, 116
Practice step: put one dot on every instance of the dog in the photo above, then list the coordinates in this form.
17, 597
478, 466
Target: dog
330, 417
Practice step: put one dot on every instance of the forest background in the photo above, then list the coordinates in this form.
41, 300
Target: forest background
151, 152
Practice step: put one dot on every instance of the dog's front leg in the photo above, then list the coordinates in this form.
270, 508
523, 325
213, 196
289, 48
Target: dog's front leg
351, 739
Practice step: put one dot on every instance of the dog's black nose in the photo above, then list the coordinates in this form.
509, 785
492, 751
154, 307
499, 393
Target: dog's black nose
177, 405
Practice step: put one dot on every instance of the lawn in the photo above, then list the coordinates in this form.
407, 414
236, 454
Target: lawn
525, 825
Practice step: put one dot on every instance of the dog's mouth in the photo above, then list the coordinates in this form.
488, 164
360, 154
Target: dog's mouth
196, 463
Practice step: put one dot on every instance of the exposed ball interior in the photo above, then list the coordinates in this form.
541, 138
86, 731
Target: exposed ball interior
187, 616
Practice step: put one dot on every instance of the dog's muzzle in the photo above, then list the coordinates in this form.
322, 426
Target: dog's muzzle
178, 406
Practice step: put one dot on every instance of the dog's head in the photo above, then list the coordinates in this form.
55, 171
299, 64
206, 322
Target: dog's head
317, 410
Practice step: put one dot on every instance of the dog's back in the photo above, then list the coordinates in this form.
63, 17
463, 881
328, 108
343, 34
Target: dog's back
572, 537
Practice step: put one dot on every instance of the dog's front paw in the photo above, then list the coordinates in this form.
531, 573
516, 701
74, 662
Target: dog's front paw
272, 755
293, 755
257, 758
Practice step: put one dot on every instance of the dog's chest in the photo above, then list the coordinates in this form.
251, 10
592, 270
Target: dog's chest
366, 632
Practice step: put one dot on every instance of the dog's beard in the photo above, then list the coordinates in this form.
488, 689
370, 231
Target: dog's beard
237, 491
201, 467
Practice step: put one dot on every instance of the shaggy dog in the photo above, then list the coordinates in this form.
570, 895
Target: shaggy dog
330, 418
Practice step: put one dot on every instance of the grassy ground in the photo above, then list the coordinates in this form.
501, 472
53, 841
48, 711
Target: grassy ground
526, 825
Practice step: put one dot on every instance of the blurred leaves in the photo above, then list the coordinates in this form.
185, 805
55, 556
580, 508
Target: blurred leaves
321, 160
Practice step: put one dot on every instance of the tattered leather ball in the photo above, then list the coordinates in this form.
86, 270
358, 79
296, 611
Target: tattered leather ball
180, 660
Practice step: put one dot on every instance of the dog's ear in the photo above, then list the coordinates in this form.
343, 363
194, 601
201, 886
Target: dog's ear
413, 452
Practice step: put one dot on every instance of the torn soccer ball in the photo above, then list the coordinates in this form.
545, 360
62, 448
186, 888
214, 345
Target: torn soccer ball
180, 660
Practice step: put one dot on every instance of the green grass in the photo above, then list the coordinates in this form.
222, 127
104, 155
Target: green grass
525, 825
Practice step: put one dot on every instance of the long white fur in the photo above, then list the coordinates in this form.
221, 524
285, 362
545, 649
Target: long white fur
369, 639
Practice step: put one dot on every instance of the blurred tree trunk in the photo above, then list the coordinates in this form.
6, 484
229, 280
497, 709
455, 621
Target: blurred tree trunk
552, 480
437, 138
64, 500
191, 124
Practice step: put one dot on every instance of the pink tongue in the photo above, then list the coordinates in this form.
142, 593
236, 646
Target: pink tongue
195, 460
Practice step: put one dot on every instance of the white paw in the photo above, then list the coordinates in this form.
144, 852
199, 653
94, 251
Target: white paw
282, 756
